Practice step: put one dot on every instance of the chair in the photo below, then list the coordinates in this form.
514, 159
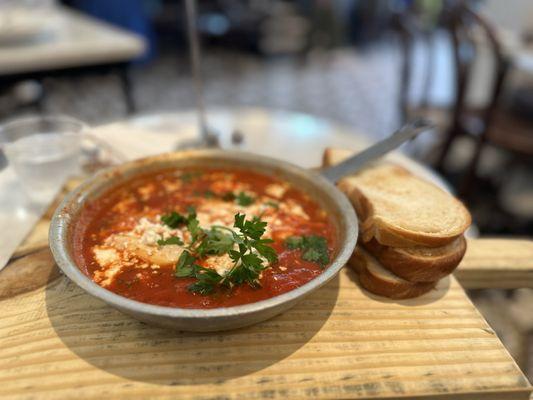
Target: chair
416, 30
489, 124
410, 32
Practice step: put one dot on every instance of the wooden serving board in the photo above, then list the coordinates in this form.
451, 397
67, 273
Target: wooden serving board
341, 342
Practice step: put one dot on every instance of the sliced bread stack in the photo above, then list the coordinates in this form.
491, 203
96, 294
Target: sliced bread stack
411, 232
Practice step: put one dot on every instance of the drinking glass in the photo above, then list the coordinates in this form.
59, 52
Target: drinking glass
43, 151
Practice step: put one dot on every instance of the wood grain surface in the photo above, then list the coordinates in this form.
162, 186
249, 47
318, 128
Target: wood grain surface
341, 342
497, 263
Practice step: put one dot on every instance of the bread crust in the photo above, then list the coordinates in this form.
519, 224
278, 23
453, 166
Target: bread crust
373, 226
394, 289
390, 235
419, 266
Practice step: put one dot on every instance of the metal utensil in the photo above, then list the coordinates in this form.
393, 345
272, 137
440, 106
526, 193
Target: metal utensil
208, 138
358, 161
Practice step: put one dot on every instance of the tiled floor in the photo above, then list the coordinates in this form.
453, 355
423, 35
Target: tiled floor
351, 87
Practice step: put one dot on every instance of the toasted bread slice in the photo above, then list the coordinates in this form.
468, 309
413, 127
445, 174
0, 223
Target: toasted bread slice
378, 280
398, 209
419, 264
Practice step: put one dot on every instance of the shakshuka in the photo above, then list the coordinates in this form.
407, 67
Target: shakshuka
203, 238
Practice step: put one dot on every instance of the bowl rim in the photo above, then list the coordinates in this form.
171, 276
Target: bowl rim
60, 224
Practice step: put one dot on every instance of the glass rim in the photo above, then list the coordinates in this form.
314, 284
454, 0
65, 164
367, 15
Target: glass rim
8, 130
45, 117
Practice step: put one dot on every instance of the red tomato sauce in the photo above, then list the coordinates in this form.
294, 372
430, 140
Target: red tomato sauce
156, 194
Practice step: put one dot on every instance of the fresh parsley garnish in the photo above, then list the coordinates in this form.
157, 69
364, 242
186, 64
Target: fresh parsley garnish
294, 242
170, 240
314, 248
243, 245
193, 226
207, 279
173, 219
241, 198
185, 266
230, 196
215, 242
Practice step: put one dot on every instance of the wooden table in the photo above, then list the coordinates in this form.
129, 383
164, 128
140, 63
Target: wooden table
341, 342
56, 341
81, 44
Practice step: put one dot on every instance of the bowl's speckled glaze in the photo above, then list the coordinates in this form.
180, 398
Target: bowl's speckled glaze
325, 193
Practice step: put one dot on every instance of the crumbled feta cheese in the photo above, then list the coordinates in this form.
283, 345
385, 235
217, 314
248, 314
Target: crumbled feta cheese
221, 264
109, 261
276, 190
292, 207
150, 232
105, 256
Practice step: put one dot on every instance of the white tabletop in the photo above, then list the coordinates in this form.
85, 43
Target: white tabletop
295, 137
76, 40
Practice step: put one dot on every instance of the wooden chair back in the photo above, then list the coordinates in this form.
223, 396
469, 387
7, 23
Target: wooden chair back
469, 31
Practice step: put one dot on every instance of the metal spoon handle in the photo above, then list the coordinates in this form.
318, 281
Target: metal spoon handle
197, 78
358, 161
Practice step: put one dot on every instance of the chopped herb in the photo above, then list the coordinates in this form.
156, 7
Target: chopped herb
294, 242
244, 245
272, 204
230, 196
173, 220
207, 279
241, 198
193, 226
314, 248
253, 228
244, 200
185, 266
215, 242
170, 240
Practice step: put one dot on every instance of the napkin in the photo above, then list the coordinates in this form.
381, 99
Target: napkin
18, 214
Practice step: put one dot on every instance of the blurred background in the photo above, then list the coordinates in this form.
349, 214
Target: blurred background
368, 65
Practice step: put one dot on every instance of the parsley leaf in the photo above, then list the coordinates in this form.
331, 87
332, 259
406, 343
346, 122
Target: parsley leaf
215, 243
263, 248
244, 200
173, 219
294, 242
243, 245
170, 240
193, 226
230, 196
249, 270
254, 228
314, 248
241, 198
185, 267
207, 279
